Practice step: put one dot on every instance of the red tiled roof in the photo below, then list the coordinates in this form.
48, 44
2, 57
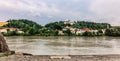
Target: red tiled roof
86, 29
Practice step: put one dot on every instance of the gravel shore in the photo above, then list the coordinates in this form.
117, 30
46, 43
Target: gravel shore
64, 58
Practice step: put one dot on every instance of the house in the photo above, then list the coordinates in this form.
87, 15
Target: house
19, 31
85, 29
94, 31
73, 30
8, 29
4, 30
79, 31
66, 22
67, 27
69, 22
3, 23
82, 30
60, 32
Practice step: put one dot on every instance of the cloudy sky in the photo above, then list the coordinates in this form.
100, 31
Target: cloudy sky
45, 11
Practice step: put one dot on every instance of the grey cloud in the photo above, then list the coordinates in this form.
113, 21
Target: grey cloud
108, 9
45, 11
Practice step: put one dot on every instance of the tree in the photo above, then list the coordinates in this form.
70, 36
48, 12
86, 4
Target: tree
25, 25
99, 33
55, 25
108, 32
32, 31
88, 34
112, 32
56, 33
68, 32
91, 25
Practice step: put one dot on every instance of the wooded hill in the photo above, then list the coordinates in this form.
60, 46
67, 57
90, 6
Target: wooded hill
78, 24
51, 29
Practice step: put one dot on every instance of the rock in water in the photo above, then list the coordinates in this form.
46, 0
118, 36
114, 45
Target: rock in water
3, 44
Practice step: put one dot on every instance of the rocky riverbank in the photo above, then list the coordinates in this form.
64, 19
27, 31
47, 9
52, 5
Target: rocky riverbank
17, 57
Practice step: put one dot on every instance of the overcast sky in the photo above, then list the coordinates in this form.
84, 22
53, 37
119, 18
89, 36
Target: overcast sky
45, 11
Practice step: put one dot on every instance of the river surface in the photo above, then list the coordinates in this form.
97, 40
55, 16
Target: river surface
38, 45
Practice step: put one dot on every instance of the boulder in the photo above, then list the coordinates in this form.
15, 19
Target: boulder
3, 45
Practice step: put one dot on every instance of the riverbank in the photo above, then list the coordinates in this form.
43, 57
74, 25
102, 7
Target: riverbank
68, 58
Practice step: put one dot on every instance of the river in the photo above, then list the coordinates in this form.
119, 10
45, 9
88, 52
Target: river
64, 45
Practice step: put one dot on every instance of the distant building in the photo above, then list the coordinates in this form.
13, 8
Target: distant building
60, 32
94, 31
82, 30
3, 23
19, 31
79, 31
67, 27
85, 29
66, 22
69, 22
73, 30
4, 30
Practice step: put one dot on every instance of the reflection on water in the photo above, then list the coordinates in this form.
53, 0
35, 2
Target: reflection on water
64, 45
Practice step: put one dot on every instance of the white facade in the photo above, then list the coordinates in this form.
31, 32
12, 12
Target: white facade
80, 31
20, 32
3, 30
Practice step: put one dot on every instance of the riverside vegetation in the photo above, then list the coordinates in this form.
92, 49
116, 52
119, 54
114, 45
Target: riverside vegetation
30, 28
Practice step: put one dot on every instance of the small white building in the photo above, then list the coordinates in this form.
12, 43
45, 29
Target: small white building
3, 30
94, 31
20, 31
80, 31
69, 22
60, 32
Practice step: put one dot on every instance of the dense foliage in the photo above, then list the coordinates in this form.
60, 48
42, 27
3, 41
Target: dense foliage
28, 26
113, 32
22, 23
52, 29
91, 25
56, 25
78, 24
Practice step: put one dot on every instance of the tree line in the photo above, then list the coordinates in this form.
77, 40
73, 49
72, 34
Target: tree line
52, 29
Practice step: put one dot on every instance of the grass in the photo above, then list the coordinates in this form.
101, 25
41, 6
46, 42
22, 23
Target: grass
4, 54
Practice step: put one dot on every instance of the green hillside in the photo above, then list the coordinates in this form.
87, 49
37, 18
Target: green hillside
22, 23
28, 26
78, 24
